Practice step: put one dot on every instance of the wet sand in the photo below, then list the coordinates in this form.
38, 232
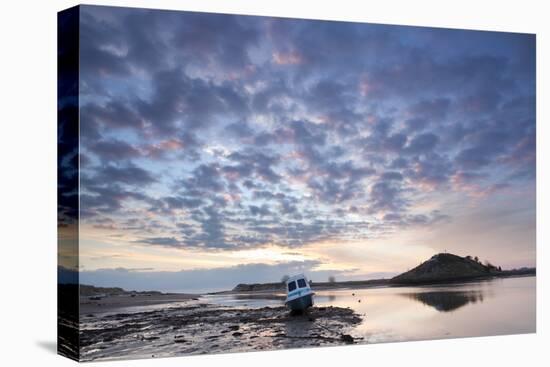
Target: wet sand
195, 327
112, 303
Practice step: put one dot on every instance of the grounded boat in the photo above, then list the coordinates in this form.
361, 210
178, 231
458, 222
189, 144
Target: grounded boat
299, 294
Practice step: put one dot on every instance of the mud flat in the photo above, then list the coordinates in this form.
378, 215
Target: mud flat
199, 328
110, 303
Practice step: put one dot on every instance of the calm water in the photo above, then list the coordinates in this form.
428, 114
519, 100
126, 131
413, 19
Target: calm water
495, 307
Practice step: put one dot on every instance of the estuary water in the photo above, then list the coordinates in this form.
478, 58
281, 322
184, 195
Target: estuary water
490, 307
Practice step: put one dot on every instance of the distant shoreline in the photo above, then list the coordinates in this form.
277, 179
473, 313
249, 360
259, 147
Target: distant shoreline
97, 300
375, 283
440, 268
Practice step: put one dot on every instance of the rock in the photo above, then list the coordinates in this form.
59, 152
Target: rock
237, 334
234, 327
346, 338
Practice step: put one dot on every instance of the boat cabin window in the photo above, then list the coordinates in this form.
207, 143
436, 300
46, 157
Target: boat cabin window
302, 283
291, 286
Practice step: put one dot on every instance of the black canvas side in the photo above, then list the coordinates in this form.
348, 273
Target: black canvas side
68, 182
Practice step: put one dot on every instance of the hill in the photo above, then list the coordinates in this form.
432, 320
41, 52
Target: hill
440, 268
445, 268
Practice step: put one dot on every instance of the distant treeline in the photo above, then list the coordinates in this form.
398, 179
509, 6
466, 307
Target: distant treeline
443, 267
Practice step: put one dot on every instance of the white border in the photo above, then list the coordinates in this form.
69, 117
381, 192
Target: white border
28, 184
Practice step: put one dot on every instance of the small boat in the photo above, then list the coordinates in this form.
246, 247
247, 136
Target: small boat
299, 294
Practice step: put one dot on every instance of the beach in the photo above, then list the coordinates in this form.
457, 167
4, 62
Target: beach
110, 303
154, 325
116, 330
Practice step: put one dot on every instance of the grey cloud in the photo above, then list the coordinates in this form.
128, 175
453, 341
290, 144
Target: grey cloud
127, 174
201, 280
433, 109
260, 163
259, 210
386, 196
106, 199
240, 129
422, 143
204, 38
205, 177
95, 55
392, 175
161, 241
408, 220
113, 114
433, 169
178, 202
114, 149
364, 116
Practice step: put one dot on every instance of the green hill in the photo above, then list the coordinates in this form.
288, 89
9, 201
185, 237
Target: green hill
444, 268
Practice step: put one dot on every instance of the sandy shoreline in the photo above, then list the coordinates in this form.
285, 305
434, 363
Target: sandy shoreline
122, 326
161, 325
110, 303
198, 328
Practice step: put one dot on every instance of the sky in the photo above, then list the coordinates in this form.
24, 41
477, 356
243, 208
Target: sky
220, 149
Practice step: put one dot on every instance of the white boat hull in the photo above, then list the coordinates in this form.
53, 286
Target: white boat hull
300, 303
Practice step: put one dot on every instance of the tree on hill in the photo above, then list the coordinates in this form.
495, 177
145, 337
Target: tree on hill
490, 266
331, 279
284, 278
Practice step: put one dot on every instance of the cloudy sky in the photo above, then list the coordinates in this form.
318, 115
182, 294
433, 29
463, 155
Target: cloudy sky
217, 149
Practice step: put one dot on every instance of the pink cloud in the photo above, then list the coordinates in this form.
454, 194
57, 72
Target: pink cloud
288, 58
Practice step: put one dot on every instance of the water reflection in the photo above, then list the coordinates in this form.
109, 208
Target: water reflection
446, 301
505, 306
264, 296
